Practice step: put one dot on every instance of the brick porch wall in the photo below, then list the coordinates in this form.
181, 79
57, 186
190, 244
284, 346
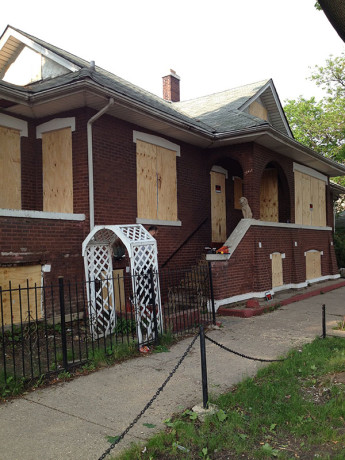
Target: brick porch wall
249, 269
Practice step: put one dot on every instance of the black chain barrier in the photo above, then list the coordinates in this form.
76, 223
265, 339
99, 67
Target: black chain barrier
160, 389
242, 355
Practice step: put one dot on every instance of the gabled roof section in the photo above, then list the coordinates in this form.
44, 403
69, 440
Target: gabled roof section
51, 61
248, 106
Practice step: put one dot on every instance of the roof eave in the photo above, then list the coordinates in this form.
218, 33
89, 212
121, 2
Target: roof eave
279, 142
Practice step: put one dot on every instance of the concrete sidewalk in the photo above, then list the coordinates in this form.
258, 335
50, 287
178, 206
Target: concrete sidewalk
72, 420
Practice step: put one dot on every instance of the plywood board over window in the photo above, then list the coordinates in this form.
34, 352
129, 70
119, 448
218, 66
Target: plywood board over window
258, 110
57, 171
218, 207
269, 196
277, 270
156, 182
310, 200
23, 302
313, 265
10, 169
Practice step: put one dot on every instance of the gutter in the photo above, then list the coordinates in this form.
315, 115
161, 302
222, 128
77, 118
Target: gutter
90, 160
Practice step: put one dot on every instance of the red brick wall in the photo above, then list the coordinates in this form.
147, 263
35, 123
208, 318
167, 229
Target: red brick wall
250, 268
58, 243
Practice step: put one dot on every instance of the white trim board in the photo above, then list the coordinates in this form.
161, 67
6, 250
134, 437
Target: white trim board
15, 123
54, 125
171, 223
156, 140
220, 170
256, 295
309, 172
40, 214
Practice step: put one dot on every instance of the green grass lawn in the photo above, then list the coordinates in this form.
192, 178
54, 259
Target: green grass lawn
291, 409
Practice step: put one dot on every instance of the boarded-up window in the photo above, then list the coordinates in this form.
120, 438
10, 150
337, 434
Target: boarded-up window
156, 182
313, 265
57, 171
310, 200
218, 207
10, 169
258, 110
238, 192
269, 196
24, 301
277, 269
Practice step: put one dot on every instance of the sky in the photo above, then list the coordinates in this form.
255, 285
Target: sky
212, 45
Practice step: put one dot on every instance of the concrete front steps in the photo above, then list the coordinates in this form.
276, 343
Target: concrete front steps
255, 307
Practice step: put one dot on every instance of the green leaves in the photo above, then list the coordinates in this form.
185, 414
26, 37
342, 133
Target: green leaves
221, 415
149, 425
320, 125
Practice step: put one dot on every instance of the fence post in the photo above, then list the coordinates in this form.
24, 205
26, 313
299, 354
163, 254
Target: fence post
212, 294
154, 311
203, 368
323, 321
63, 323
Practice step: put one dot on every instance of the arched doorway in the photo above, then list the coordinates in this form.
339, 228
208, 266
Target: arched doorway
98, 254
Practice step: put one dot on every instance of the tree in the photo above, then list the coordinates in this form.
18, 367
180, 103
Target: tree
320, 125
335, 12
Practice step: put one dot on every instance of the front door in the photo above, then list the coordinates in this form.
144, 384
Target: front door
218, 207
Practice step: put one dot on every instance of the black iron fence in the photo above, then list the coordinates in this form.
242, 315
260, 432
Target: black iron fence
48, 329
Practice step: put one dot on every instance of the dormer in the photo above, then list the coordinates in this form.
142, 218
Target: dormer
23, 60
265, 104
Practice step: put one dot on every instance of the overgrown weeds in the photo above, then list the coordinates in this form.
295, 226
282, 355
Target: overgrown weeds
291, 409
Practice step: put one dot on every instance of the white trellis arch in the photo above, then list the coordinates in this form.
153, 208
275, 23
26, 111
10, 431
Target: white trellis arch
142, 250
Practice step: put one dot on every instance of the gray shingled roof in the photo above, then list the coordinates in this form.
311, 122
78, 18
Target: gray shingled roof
216, 113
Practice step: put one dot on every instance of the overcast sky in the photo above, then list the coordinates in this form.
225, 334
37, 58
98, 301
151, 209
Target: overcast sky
212, 45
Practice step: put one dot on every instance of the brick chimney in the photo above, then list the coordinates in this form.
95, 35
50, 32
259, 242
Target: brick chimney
171, 87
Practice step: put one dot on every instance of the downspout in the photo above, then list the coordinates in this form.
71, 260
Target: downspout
90, 160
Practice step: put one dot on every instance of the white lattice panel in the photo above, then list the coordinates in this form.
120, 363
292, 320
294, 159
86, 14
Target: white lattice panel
142, 250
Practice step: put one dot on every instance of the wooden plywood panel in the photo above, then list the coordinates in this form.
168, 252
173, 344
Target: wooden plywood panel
258, 110
57, 171
309, 191
298, 198
306, 200
238, 192
277, 270
166, 184
146, 180
218, 207
269, 196
10, 169
119, 291
313, 265
314, 200
322, 203
20, 304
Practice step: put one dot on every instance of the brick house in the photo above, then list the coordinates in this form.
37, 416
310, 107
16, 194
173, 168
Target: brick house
81, 147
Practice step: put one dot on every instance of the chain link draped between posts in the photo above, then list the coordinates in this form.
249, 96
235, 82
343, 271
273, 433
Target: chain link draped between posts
241, 354
160, 389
